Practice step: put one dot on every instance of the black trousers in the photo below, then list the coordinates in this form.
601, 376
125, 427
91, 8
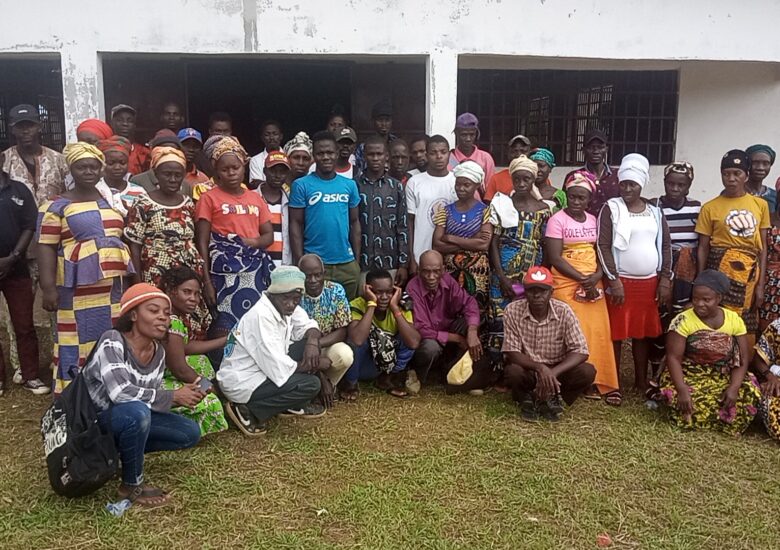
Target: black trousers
573, 382
431, 355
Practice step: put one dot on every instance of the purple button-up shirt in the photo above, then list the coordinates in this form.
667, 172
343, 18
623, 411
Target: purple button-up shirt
434, 311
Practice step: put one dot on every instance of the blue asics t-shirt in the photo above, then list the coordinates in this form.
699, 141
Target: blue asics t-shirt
326, 215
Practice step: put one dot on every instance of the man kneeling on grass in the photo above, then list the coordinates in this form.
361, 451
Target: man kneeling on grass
262, 374
545, 350
384, 336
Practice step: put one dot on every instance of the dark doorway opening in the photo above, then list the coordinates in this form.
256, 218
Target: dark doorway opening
299, 92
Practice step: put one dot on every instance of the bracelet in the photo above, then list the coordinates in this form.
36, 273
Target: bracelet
371, 303
317, 343
398, 313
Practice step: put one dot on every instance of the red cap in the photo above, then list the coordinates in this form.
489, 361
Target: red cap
538, 276
276, 157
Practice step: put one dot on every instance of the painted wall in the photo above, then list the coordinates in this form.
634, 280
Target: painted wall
721, 105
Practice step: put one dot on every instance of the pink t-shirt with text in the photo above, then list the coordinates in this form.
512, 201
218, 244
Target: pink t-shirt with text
562, 226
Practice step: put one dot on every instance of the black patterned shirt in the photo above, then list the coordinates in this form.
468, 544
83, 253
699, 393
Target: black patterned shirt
384, 234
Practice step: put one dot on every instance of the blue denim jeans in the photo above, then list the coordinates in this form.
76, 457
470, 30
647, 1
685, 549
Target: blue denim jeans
364, 368
138, 430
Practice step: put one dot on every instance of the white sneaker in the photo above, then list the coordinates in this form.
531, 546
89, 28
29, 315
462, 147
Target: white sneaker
36, 386
18, 377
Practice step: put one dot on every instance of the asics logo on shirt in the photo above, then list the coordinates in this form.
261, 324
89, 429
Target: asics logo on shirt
328, 197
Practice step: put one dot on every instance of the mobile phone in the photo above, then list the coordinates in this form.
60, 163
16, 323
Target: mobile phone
204, 384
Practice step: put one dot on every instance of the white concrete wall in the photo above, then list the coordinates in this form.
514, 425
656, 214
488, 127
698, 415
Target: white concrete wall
720, 105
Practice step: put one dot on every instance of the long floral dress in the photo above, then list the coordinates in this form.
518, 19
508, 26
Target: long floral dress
768, 348
209, 413
520, 248
167, 238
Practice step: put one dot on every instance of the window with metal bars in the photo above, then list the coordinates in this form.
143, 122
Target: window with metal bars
555, 109
52, 123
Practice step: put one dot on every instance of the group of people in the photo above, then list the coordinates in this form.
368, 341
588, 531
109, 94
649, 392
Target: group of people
193, 283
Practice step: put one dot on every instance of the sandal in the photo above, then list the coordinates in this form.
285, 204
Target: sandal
145, 496
614, 398
400, 393
592, 393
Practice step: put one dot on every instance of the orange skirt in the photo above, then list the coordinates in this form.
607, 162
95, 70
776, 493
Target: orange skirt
638, 316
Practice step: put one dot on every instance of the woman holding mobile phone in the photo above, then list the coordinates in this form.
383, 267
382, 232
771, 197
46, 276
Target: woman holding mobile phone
186, 358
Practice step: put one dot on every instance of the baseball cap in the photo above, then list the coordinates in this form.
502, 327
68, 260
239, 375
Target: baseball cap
520, 137
275, 158
190, 133
121, 107
347, 133
467, 120
595, 134
383, 108
538, 276
23, 113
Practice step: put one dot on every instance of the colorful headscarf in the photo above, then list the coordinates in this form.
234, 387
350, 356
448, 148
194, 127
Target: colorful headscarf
301, 142
96, 127
164, 153
81, 150
758, 148
470, 170
581, 178
211, 143
116, 144
523, 163
680, 167
635, 167
544, 154
229, 145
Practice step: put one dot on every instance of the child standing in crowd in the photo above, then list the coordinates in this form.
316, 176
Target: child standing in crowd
84, 264
276, 193
233, 230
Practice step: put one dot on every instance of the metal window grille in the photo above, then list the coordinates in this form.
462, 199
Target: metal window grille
555, 109
52, 125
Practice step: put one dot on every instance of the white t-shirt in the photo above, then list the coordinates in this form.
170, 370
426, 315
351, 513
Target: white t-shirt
640, 261
426, 195
256, 165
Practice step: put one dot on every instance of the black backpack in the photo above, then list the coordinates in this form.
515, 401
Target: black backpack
80, 456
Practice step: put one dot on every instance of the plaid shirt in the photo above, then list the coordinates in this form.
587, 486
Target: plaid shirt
547, 341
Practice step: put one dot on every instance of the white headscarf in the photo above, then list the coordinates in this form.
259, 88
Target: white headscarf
470, 170
636, 168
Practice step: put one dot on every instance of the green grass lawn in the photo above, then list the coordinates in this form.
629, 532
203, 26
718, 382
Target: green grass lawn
436, 471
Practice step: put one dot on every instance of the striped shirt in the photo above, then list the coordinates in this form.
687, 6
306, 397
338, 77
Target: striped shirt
278, 249
681, 222
113, 375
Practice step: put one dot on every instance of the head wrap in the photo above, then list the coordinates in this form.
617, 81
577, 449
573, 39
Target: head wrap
714, 280
636, 168
544, 154
736, 158
116, 144
164, 153
81, 150
165, 137
523, 163
229, 145
470, 170
758, 148
95, 127
211, 144
301, 142
680, 167
286, 278
581, 178
138, 294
